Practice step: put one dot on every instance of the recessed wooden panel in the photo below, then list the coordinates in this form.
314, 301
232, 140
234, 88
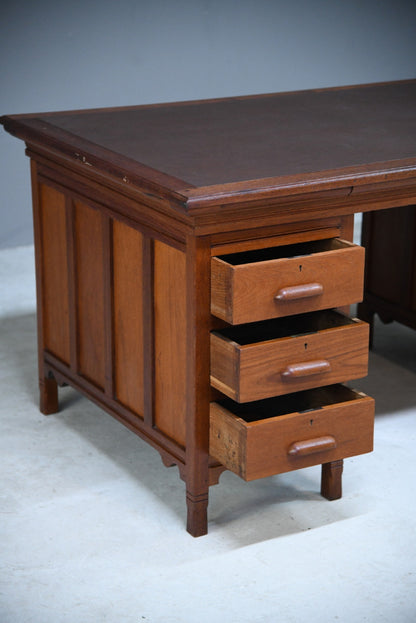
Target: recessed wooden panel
170, 336
284, 281
128, 316
54, 272
90, 293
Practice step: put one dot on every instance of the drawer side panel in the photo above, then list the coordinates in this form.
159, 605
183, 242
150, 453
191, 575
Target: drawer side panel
225, 366
221, 289
227, 440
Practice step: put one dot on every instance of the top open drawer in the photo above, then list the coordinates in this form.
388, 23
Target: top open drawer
287, 280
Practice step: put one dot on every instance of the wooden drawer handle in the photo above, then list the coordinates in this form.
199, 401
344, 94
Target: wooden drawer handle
311, 446
307, 368
304, 291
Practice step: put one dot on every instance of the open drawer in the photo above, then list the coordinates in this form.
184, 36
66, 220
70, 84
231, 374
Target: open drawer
285, 355
281, 281
278, 435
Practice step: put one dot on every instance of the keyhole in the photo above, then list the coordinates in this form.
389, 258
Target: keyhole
306, 345
300, 268
311, 422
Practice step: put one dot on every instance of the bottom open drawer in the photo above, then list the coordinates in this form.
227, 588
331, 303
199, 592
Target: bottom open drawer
277, 435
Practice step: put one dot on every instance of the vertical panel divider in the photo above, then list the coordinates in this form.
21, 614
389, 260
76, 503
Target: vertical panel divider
37, 226
72, 283
148, 330
198, 297
108, 268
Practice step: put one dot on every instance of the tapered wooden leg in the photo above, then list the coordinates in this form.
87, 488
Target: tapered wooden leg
197, 519
48, 396
331, 480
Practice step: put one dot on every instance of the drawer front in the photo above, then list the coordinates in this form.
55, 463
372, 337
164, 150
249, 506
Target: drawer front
340, 428
301, 278
253, 371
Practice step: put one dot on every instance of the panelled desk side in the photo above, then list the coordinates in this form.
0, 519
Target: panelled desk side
124, 263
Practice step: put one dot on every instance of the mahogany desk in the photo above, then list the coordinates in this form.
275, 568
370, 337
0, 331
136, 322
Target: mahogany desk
192, 260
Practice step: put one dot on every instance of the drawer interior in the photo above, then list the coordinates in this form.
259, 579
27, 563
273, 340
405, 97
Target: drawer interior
298, 402
289, 326
299, 249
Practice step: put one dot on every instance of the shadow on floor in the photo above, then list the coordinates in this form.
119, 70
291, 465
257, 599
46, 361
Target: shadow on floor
391, 381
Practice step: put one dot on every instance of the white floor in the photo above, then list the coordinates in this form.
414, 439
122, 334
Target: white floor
92, 524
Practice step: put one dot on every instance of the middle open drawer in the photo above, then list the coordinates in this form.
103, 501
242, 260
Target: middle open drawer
281, 356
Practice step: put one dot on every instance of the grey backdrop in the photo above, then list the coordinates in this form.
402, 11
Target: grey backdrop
80, 54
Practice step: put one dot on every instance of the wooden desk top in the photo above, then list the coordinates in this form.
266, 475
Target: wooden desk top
205, 152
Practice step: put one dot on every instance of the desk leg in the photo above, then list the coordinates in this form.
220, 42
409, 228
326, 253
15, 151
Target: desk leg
197, 517
198, 383
48, 396
331, 481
